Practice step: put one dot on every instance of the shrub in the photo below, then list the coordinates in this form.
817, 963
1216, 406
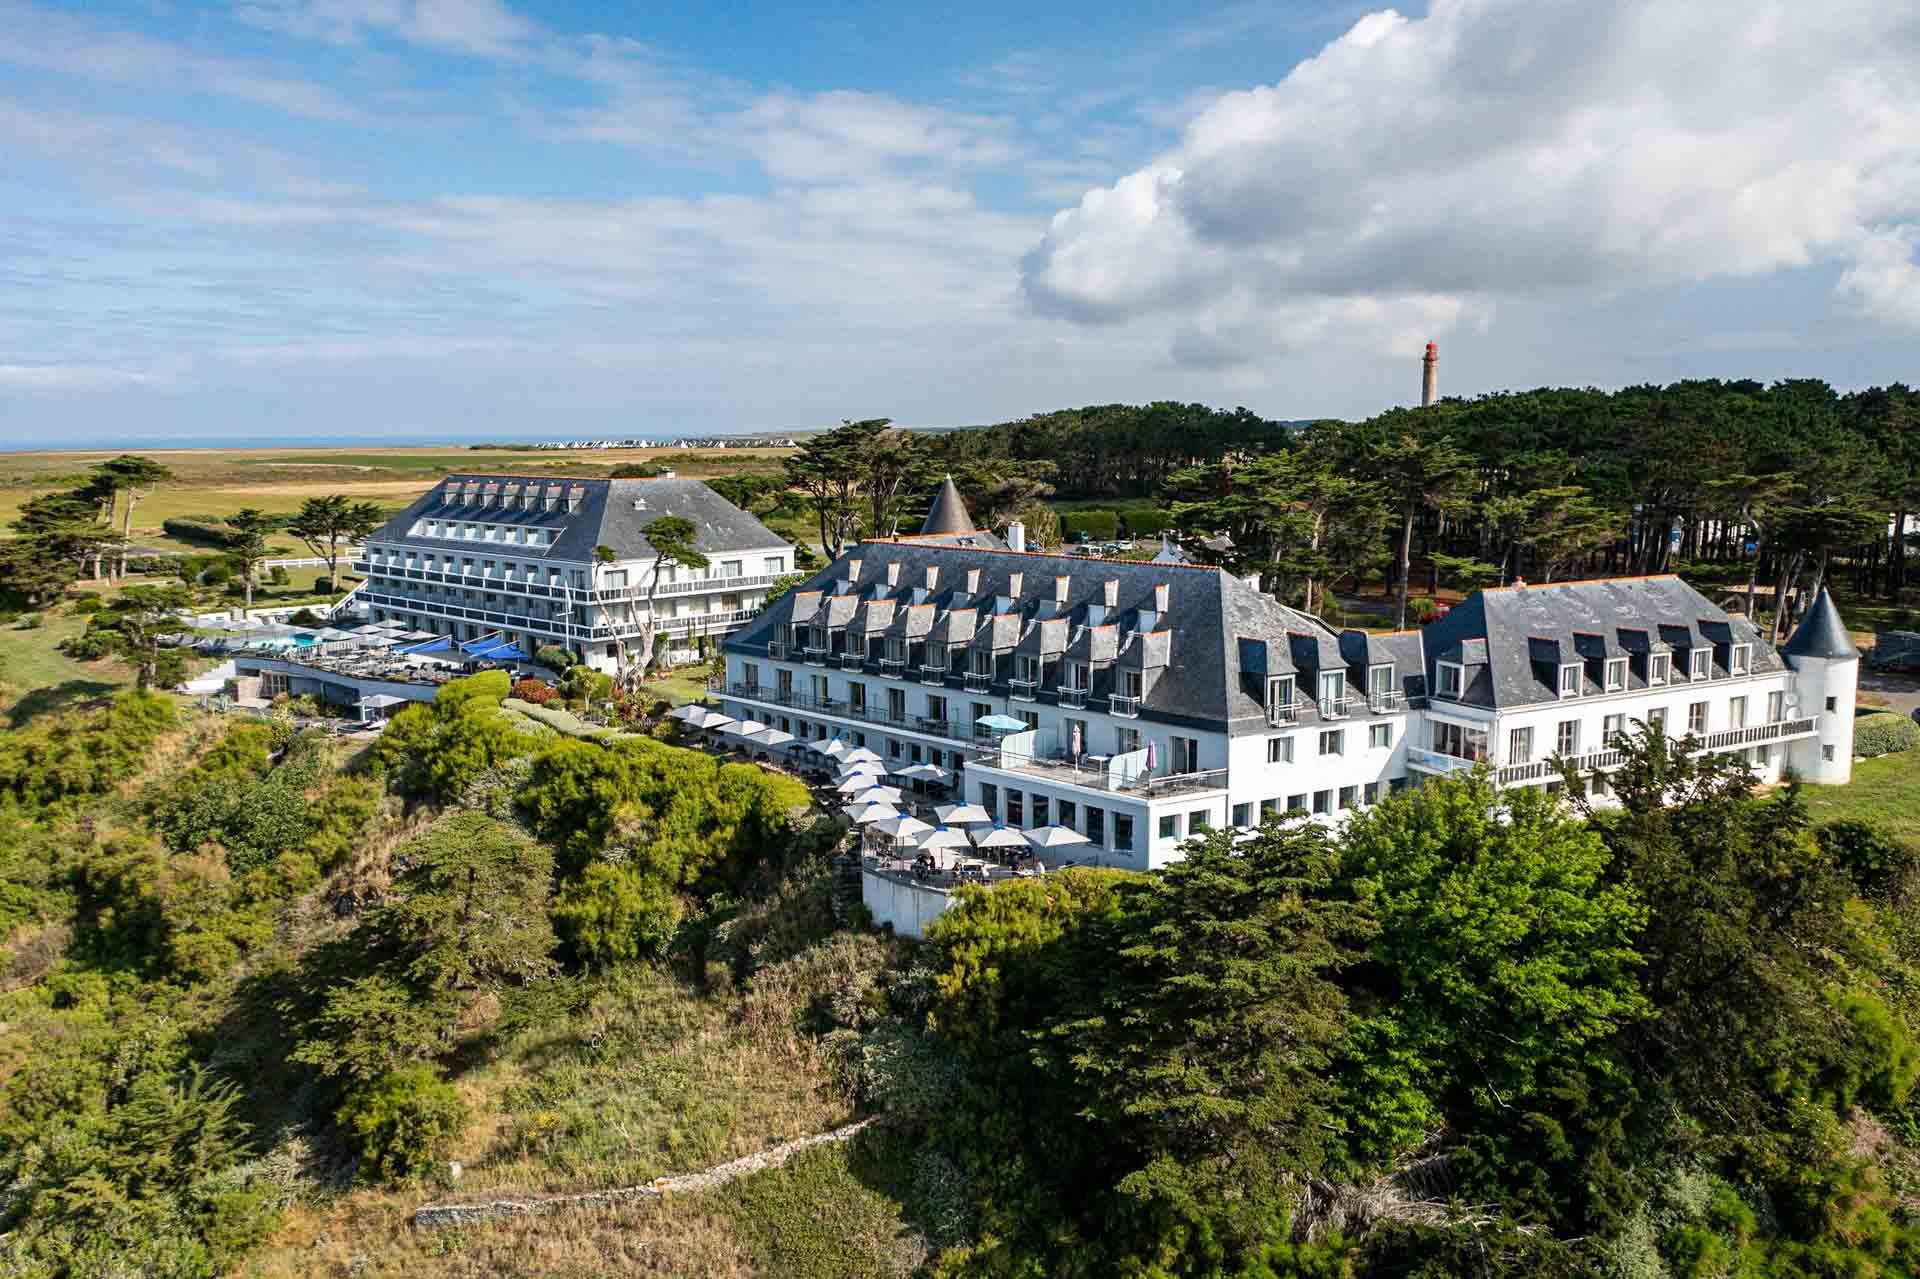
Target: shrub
85, 603
1884, 734
402, 1123
584, 684
1874, 860
88, 646
1422, 610
277, 575
1095, 525
202, 531
537, 691
554, 658
323, 586
610, 913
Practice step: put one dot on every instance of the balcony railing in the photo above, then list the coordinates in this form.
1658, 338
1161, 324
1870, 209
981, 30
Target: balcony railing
893, 663
1549, 769
1335, 707
852, 661
1123, 706
1386, 703
1073, 698
1435, 762
777, 650
1286, 713
815, 656
1023, 690
1060, 768
952, 730
934, 674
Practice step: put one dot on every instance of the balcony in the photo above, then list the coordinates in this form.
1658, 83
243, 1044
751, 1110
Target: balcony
933, 674
893, 665
1386, 703
1288, 713
814, 656
979, 681
1023, 690
1091, 773
852, 661
1123, 706
951, 730
1073, 698
1335, 707
777, 650
1428, 761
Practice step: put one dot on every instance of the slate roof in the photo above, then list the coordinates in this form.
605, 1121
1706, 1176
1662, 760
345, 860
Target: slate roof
1821, 633
948, 514
1208, 612
1512, 639
603, 512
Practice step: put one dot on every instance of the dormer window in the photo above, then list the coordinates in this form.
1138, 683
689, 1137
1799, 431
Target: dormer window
1741, 659
1659, 665
982, 662
1451, 678
857, 643
1616, 674
1702, 664
1076, 674
1570, 680
937, 657
1279, 692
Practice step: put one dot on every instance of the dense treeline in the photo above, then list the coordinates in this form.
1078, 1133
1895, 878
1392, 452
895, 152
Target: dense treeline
1473, 1033
265, 940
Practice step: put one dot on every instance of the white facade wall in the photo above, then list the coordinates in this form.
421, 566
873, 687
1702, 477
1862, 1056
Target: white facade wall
1827, 683
908, 908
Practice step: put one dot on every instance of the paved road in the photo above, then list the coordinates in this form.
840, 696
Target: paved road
1902, 692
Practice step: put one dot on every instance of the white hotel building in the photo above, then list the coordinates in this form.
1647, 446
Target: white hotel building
513, 556
1163, 700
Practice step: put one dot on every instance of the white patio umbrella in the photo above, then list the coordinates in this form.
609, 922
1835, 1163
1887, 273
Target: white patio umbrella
770, 737
878, 795
854, 783
859, 755
922, 773
690, 713
902, 827
943, 837
1054, 836
711, 719
836, 748
998, 837
959, 814
870, 812
745, 728
862, 770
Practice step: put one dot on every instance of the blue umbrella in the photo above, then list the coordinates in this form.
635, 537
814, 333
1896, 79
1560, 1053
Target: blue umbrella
1002, 723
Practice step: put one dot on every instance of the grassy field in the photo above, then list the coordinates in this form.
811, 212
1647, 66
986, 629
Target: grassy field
36, 678
219, 482
1885, 791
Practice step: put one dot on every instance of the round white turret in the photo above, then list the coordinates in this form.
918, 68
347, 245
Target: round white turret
1826, 677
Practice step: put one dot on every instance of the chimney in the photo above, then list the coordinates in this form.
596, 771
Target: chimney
1060, 588
893, 574
1160, 593
973, 581
1110, 592
1014, 581
853, 572
933, 576
1430, 375
1016, 536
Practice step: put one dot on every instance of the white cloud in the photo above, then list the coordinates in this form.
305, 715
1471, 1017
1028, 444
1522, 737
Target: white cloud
1517, 149
71, 377
463, 26
42, 40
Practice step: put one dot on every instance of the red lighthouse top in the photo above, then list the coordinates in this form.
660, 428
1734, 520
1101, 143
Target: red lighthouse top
1433, 350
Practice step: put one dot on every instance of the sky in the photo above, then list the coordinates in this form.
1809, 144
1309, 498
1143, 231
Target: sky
265, 220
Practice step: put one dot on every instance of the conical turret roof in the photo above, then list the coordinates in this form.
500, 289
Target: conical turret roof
948, 515
1821, 633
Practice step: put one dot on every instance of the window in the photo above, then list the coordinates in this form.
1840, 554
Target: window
750, 674
1333, 741
783, 682
1125, 740
1459, 741
990, 798
1016, 808
1741, 660
936, 708
1199, 820
1658, 667
1776, 707
1833, 703
1243, 814
1279, 750
1570, 680
857, 695
1826, 753
1279, 693
1066, 811
1657, 719
896, 704
1396, 784
1123, 831
730, 568
1333, 692
1520, 746
1702, 663
1076, 675
1737, 713
1039, 809
1612, 728
1027, 670
937, 656
1268, 808
1616, 674
1697, 718
1763, 755
1371, 794
1380, 736
775, 564
1296, 803
893, 748
1323, 801
1096, 826
1349, 796
1450, 678
1566, 738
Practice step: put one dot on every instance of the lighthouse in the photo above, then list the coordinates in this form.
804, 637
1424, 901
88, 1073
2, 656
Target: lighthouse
1430, 375
1827, 667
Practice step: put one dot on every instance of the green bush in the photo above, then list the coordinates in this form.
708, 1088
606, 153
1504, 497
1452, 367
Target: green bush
584, 684
85, 603
402, 1123
88, 646
1421, 610
1884, 734
277, 575
202, 531
1873, 859
554, 658
561, 721
610, 913
1097, 525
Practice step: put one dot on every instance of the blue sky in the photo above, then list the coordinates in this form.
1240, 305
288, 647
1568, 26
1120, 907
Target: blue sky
411, 218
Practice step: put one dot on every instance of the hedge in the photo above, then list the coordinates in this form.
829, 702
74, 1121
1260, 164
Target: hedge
202, 532
1883, 734
1099, 526
558, 720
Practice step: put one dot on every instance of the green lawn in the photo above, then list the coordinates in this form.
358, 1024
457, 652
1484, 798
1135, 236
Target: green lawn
39, 678
1885, 791
689, 685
